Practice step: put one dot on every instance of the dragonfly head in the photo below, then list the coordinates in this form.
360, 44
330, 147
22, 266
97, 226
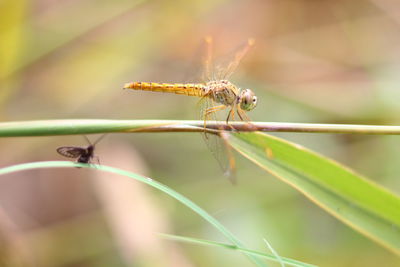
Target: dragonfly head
247, 100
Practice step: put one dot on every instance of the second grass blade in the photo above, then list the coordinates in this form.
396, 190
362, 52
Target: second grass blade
358, 202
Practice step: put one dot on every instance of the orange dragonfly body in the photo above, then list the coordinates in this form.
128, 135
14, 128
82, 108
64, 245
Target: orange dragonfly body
216, 94
223, 92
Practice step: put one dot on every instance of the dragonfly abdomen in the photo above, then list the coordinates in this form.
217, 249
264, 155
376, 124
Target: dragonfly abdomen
189, 89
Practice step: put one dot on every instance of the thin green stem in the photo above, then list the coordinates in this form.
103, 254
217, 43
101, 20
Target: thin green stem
187, 202
233, 247
93, 126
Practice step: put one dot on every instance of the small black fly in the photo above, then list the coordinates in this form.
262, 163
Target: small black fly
82, 154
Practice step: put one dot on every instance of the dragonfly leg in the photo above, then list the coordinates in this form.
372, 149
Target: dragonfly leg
243, 116
231, 114
246, 118
209, 111
214, 109
240, 114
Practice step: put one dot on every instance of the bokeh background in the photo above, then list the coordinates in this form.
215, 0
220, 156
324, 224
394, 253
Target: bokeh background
313, 61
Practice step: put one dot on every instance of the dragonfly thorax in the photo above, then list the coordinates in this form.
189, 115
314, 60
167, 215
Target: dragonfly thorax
222, 91
228, 94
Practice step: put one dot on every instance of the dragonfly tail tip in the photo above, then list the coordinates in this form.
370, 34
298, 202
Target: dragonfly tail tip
127, 86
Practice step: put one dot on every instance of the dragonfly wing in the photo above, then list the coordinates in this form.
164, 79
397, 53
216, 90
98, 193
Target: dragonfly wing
71, 151
227, 65
209, 69
207, 59
200, 67
215, 140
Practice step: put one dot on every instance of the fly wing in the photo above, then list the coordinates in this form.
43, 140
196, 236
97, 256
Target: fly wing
215, 142
71, 151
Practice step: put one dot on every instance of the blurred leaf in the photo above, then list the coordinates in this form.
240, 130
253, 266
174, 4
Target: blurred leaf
12, 17
363, 205
12, 14
64, 30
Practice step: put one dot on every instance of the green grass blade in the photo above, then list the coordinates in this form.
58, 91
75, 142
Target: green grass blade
203, 242
279, 258
188, 203
356, 201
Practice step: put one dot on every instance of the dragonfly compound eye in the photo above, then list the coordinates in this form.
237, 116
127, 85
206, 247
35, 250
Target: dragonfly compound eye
248, 100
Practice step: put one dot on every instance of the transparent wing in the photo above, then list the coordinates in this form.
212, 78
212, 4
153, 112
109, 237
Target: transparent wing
71, 151
197, 71
210, 69
224, 67
215, 141
207, 59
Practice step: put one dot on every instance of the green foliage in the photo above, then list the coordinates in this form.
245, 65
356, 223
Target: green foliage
363, 205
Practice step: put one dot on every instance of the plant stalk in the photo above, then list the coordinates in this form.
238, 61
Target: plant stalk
96, 126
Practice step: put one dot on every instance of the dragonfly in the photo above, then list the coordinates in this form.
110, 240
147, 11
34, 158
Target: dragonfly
216, 93
82, 154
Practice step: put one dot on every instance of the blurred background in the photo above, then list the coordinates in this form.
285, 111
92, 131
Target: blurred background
313, 61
